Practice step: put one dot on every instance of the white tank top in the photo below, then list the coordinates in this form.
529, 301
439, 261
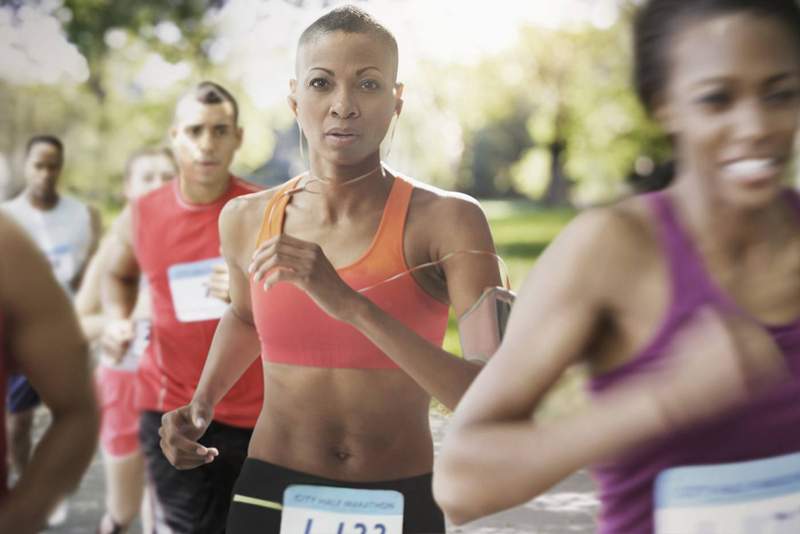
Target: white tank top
63, 233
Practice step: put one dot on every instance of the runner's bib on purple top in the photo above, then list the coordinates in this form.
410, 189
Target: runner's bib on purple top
755, 497
330, 510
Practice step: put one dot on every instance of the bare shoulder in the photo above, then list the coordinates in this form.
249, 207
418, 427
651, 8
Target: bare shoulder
240, 221
434, 204
607, 244
245, 210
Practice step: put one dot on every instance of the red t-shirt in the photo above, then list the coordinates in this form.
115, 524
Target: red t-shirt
176, 243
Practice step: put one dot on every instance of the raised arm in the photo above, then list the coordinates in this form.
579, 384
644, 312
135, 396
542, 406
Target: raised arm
45, 341
496, 456
455, 224
445, 225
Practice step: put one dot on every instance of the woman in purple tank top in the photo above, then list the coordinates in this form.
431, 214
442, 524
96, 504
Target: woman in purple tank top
684, 304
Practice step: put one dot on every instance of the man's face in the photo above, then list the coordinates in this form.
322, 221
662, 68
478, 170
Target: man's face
204, 139
42, 168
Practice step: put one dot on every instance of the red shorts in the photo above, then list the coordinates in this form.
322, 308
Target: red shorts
119, 418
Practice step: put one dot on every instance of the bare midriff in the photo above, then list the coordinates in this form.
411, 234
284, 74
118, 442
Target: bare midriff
352, 425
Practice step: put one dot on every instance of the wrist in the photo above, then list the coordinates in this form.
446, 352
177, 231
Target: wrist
359, 310
203, 401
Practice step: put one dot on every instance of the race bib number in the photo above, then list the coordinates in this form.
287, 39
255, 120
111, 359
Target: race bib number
188, 284
63, 262
756, 497
327, 510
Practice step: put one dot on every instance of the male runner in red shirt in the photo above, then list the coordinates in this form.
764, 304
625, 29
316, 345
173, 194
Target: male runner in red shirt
171, 237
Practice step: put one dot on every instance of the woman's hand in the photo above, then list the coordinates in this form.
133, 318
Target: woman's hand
287, 259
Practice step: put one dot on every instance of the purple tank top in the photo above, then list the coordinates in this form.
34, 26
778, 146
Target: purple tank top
765, 428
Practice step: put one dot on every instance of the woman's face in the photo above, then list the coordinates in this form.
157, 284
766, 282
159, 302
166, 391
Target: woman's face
732, 103
345, 95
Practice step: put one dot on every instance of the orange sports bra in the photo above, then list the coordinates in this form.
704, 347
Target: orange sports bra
294, 330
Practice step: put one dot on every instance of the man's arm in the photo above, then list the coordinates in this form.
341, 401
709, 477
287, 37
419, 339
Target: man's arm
120, 285
96, 230
88, 304
46, 342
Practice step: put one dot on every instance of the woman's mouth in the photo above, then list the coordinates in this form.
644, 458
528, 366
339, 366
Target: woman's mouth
753, 171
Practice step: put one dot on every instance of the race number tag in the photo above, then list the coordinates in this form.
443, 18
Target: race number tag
63, 262
188, 284
756, 497
327, 510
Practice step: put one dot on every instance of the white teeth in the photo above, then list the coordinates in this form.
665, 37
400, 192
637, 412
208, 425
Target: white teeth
750, 166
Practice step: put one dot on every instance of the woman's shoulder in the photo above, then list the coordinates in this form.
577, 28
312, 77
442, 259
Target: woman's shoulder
433, 203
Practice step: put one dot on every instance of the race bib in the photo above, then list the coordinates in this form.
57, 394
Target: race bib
327, 510
63, 262
188, 284
756, 497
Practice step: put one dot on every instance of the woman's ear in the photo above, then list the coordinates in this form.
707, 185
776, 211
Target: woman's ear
398, 98
291, 99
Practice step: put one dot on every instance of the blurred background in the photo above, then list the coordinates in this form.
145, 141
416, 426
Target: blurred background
504, 99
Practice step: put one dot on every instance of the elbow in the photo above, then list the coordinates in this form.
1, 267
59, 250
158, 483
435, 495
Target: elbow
454, 489
470, 370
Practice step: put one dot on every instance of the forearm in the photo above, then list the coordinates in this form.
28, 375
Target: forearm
233, 350
58, 463
488, 466
119, 295
443, 375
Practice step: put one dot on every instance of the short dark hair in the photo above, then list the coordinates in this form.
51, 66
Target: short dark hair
208, 92
657, 21
349, 19
46, 139
145, 153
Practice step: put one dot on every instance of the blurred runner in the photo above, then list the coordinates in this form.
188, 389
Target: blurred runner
67, 231
39, 336
684, 303
145, 171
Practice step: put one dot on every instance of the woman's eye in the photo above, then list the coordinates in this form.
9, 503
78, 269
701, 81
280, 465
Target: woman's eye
717, 99
370, 85
318, 83
786, 95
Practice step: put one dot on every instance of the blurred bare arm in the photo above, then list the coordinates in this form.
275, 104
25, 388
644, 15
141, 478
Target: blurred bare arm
45, 340
120, 286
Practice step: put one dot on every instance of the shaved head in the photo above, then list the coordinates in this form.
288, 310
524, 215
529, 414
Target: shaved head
348, 19
209, 93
